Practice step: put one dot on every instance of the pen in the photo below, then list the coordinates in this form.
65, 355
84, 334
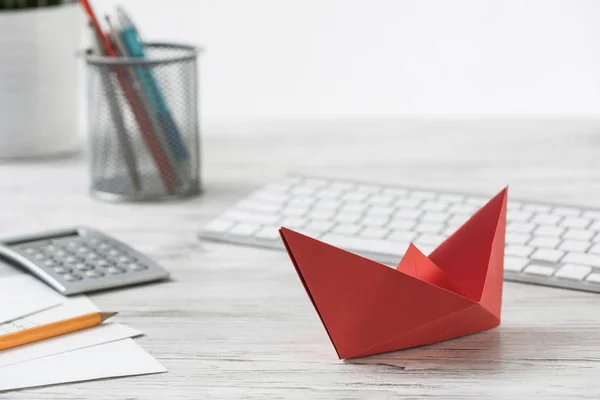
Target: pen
125, 146
53, 329
150, 137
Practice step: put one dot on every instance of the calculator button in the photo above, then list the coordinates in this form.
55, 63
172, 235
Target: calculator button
49, 263
29, 250
92, 256
124, 260
72, 277
50, 248
82, 250
103, 245
39, 256
60, 253
83, 266
113, 252
61, 270
71, 259
136, 266
94, 274
102, 263
115, 270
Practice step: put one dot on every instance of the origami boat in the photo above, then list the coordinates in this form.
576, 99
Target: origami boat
369, 308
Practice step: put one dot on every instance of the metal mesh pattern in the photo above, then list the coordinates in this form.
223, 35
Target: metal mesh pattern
143, 124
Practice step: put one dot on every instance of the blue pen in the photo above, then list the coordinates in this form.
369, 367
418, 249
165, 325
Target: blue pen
135, 48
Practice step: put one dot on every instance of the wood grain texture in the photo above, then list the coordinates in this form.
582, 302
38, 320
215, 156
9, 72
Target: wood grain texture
234, 322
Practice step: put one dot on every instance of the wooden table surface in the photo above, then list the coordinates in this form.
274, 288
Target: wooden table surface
235, 322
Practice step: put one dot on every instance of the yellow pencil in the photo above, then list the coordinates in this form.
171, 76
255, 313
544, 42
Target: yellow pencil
53, 329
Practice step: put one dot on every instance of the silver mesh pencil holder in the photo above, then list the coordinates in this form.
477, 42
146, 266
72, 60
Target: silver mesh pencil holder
143, 124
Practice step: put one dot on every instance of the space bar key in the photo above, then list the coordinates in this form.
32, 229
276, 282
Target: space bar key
351, 243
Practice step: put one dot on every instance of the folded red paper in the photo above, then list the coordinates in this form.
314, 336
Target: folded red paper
369, 308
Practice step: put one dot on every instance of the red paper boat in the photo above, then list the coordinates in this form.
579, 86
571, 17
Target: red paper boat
369, 308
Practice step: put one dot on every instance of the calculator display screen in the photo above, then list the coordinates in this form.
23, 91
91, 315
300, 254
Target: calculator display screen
31, 239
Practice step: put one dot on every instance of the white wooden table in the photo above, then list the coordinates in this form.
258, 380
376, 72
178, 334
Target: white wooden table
235, 321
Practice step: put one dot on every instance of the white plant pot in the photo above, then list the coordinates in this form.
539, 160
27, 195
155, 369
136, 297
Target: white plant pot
39, 81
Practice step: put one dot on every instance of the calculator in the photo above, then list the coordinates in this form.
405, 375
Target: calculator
80, 260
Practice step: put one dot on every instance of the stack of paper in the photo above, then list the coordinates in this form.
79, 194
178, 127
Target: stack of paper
101, 352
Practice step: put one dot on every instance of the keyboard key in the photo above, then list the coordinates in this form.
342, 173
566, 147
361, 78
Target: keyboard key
593, 277
595, 226
544, 242
458, 220
61, 270
218, 225
515, 264
538, 208
575, 272
422, 194
519, 251
321, 214
578, 234
360, 244
327, 204
354, 196
329, 194
520, 227
300, 201
550, 255
514, 205
429, 239
451, 198
595, 249
396, 192
566, 211
575, 245
540, 270
431, 216
368, 188
354, 207
268, 233
462, 209
136, 266
408, 213
347, 229
341, 185
408, 203
288, 212
592, 214
374, 221
293, 222
582, 258
518, 216
244, 229
380, 210
381, 199
303, 190
546, 219
347, 217
240, 216
476, 201
376, 233
575, 222
429, 227
71, 277
517, 238
431, 205
402, 236
401, 224
320, 226
549, 231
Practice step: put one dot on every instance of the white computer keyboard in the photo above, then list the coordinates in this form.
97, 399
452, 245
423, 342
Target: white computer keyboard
546, 244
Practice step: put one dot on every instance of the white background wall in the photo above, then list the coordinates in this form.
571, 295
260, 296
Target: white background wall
321, 58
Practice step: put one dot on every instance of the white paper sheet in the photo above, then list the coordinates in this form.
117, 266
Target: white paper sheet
105, 333
22, 295
115, 359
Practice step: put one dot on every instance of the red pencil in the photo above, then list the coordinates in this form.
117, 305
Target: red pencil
166, 171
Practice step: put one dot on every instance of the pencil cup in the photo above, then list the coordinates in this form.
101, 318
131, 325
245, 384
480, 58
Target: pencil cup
143, 124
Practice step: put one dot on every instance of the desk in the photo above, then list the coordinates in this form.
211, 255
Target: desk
235, 321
